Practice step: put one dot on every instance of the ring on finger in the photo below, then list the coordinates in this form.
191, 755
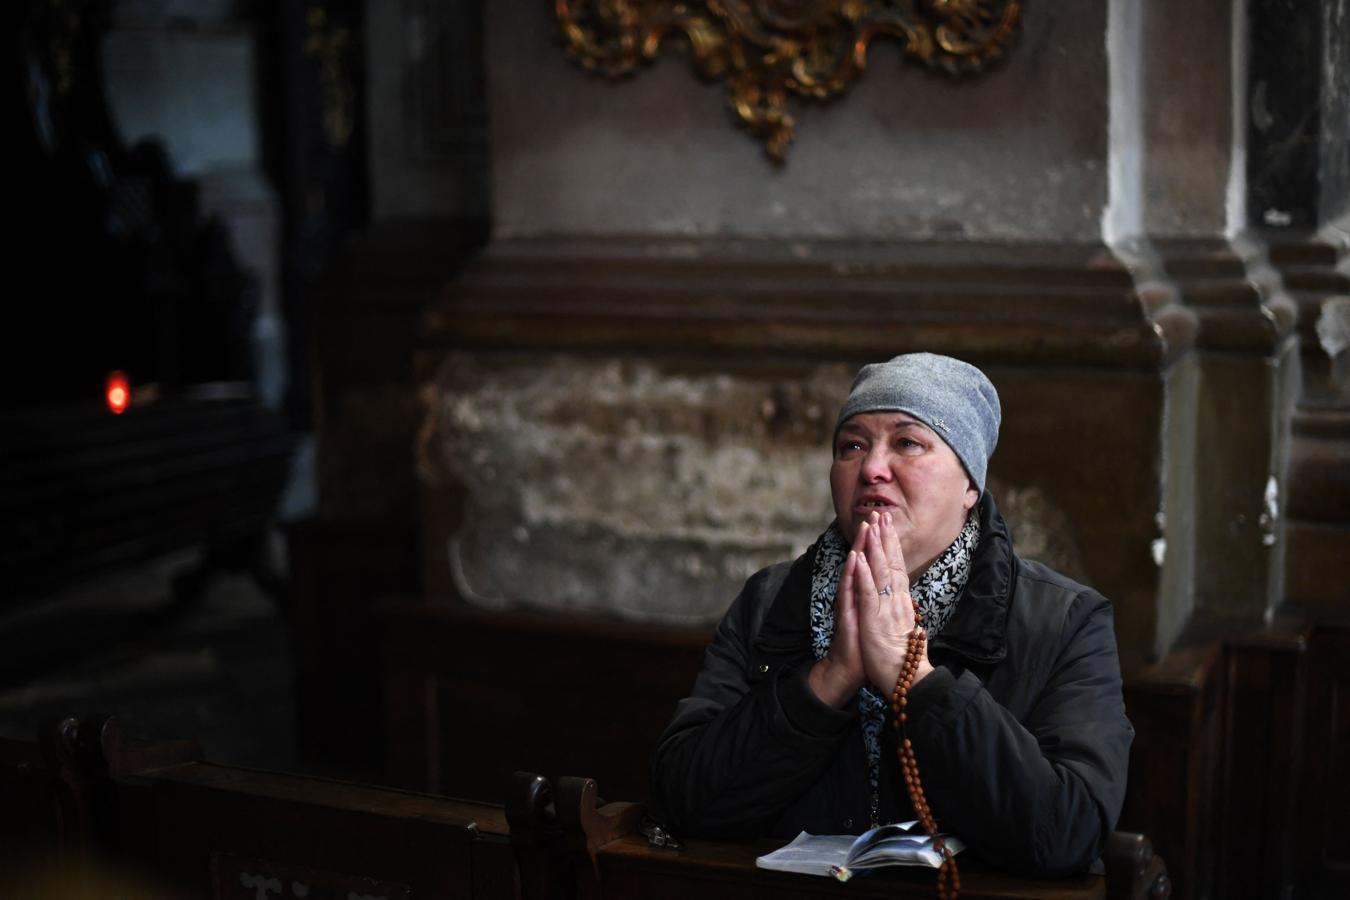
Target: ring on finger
884, 592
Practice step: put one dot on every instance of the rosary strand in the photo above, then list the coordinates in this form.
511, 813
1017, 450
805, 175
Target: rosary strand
948, 878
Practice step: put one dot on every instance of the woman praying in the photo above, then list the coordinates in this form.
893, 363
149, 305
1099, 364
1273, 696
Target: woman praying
911, 603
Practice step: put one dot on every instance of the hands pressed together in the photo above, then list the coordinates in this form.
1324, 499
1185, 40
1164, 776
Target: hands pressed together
873, 617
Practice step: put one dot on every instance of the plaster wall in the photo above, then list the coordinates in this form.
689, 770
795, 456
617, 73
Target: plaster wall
1187, 65
1123, 217
1334, 206
1174, 549
626, 485
1017, 152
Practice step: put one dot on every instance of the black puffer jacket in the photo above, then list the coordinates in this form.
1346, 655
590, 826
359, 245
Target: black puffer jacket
1020, 732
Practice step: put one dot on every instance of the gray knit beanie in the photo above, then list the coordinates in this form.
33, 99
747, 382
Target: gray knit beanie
952, 397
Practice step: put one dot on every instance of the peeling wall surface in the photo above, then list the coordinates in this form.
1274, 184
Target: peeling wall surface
646, 489
614, 485
1017, 152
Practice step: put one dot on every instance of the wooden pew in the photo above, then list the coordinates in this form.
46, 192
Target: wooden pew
183, 827
612, 860
593, 695
158, 821
38, 814
48, 814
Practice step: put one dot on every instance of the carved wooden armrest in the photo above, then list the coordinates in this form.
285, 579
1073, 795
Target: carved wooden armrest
555, 837
590, 822
123, 755
82, 754
530, 811
95, 747
1133, 871
544, 868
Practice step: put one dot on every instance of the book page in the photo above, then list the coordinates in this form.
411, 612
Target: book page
840, 855
810, 854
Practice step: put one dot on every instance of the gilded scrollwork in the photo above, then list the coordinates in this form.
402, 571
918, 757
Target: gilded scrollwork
766, 49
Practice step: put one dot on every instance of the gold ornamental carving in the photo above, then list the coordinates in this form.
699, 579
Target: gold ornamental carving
766, 49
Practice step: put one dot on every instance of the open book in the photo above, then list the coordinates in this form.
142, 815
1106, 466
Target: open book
841, 855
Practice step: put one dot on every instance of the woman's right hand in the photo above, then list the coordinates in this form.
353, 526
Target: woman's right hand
837, 677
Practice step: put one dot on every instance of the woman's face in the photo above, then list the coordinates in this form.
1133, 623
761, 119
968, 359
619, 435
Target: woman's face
892, 462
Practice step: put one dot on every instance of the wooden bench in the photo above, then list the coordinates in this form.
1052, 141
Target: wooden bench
153, 819
157, 816
612, 860
38, 813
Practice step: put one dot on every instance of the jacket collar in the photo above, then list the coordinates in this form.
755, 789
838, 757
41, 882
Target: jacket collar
978, 627
788, 623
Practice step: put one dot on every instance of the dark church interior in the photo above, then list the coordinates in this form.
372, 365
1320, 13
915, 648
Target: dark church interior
398, 394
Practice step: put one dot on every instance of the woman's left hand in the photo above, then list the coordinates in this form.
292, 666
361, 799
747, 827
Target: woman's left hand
885, 610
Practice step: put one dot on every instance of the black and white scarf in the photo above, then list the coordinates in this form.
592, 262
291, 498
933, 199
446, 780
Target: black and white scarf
936, 592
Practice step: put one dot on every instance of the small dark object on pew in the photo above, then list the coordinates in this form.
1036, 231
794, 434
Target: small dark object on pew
657, 836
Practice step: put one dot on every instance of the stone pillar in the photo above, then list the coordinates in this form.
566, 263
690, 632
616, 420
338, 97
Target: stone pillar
1194, 64
1299, 198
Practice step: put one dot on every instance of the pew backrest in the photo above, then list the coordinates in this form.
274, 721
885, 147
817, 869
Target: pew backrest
35, 810
190, 828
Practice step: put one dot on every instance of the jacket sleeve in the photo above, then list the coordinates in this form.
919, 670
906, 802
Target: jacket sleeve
1039, 796
745, 743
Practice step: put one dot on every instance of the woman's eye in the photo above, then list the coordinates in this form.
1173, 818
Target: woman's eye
846, 448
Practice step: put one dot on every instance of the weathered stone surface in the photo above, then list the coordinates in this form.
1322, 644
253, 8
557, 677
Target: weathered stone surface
1092, 441
1041, 528
627, 486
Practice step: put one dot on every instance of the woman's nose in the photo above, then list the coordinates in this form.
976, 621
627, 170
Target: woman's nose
876, 466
